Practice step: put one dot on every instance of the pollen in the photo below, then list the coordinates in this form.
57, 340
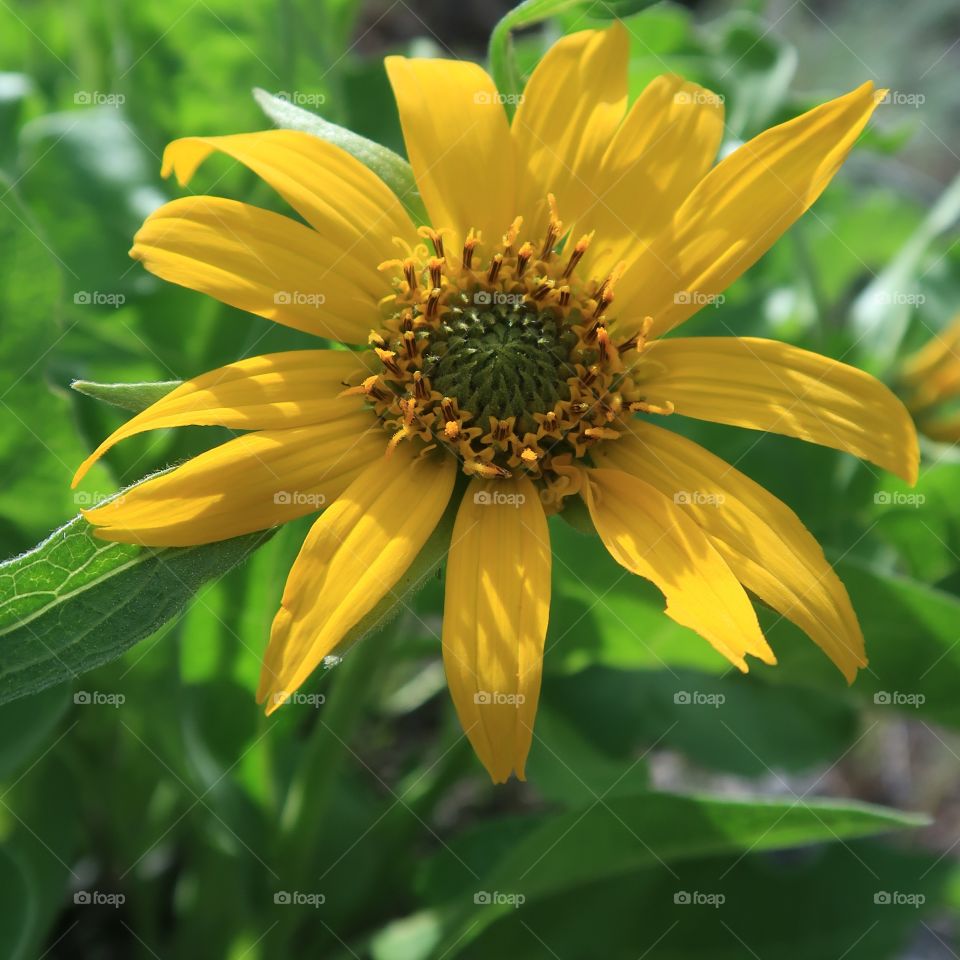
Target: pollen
504, 356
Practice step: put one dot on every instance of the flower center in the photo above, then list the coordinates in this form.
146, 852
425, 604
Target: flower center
507, 363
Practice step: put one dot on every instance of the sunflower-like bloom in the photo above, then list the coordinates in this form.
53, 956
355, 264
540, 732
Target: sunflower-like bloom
510, 342
931, 378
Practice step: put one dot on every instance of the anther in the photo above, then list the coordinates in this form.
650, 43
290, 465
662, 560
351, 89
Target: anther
433, 302
421, 386
564, 296
577, 255
435, 266
387, 359
510, 237
473, 239
496, 262
410, 344
544, 288
430, 234
375, 340
410, 273
523, 257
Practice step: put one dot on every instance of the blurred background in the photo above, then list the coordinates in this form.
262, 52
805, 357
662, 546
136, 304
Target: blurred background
673, 809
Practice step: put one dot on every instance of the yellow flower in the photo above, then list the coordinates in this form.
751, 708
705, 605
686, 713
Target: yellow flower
932, 381
510, 341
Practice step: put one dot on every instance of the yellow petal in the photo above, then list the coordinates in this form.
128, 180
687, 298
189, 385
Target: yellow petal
458, 142
270, 392
333, 191
262, 262
352, 557
251, 483
772, 386
737, 212
570, 109
943, 347
661, 151
495, 619
652, 537
762, 540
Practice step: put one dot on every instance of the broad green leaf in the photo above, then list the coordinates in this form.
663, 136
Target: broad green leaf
128, 396
391, 168
619, 836
75, 602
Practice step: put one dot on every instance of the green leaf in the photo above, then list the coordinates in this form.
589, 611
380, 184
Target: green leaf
128, 396
391, 168
75, 602
619, 836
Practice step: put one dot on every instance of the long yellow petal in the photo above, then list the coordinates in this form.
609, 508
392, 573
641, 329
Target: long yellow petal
495, 619
652, 537
570, 109
270, 392
762, 540
458, 142
264, 263
333, 191
737, 212
251, 483
661, 151
350, 560
772, 386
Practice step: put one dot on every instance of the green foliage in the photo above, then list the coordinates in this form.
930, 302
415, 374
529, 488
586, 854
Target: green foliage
656, 770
